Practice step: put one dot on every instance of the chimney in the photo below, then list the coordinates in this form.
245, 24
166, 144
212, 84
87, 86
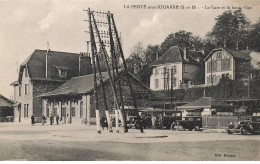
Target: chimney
157, 55
225, 42
47, 61
237, 46
203, 51
184, 53
79, 62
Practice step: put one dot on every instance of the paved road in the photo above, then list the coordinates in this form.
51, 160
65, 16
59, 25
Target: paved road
70, 142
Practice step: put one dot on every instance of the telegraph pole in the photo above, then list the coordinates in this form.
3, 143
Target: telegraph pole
114, 65
126, 70
93, 51
171, 85
106, 62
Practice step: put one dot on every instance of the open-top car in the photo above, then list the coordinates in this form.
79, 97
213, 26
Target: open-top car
188, 122
245, 125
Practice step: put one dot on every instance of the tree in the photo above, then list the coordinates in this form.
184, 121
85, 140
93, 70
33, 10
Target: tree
254, 37
182, 39
231, 29
135, 60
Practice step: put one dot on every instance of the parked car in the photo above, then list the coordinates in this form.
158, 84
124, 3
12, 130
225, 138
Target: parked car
245, 126
188, 122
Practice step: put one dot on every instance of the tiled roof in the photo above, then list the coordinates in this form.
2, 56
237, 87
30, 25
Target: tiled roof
204, 102
81, 85
175, 54
36, 63
236, 54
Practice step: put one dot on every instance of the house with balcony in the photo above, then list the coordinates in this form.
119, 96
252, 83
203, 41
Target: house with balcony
177, 67
41, 72
223, 62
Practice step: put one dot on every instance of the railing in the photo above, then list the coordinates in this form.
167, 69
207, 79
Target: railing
217, 122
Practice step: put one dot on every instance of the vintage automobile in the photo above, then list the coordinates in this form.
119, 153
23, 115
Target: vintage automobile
163, 118
244, 126
188, 122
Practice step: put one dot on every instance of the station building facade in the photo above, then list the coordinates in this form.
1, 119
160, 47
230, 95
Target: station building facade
74, 102
41, 72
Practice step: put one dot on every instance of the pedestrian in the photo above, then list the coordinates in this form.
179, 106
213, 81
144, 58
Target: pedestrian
51, 119
61, 120
161, 121
33, 120
153, 121
43, 119
57, 119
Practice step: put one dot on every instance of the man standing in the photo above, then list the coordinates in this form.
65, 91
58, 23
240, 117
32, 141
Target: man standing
43, 119
57, 119
33, 122
51, 119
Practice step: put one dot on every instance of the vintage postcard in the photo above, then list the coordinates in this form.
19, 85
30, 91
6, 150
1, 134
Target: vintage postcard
130, 80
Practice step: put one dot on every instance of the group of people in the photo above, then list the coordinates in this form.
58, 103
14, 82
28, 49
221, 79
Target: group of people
44, 120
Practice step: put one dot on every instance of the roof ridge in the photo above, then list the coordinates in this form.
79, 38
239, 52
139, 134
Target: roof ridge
58, 51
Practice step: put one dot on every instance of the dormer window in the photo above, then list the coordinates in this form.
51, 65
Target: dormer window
63, 71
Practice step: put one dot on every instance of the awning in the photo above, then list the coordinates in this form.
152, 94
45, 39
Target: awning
16, 104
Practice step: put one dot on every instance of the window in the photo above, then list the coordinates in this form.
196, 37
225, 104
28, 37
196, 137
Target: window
26, 89
156, 83
54, 111
225, 65
63, 73
26, 112
173, 82
25, 72
219, 56
20, 90
174, 69
214, 66
81, 109
63, 111
47, 112
73, 112
156, 71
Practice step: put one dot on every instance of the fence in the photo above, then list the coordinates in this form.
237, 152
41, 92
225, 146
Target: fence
217, 122
7, 119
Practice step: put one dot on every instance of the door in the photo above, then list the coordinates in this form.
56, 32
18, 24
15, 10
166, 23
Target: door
63, 114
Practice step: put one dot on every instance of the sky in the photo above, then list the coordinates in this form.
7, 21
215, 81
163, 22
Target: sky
29, 25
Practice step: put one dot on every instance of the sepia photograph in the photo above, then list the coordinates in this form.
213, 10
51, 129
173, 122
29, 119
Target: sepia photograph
130, 80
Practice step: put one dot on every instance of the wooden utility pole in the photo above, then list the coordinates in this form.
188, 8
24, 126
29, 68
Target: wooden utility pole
164, 86
102, 87
103, 50
127, 74
93, 51
171, 85
114, 65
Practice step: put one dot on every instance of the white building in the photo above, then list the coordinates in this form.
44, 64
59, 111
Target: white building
186, 66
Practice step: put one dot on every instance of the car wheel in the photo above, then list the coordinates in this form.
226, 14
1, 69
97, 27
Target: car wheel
197, 128
173, 126
180, 128
243, 131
